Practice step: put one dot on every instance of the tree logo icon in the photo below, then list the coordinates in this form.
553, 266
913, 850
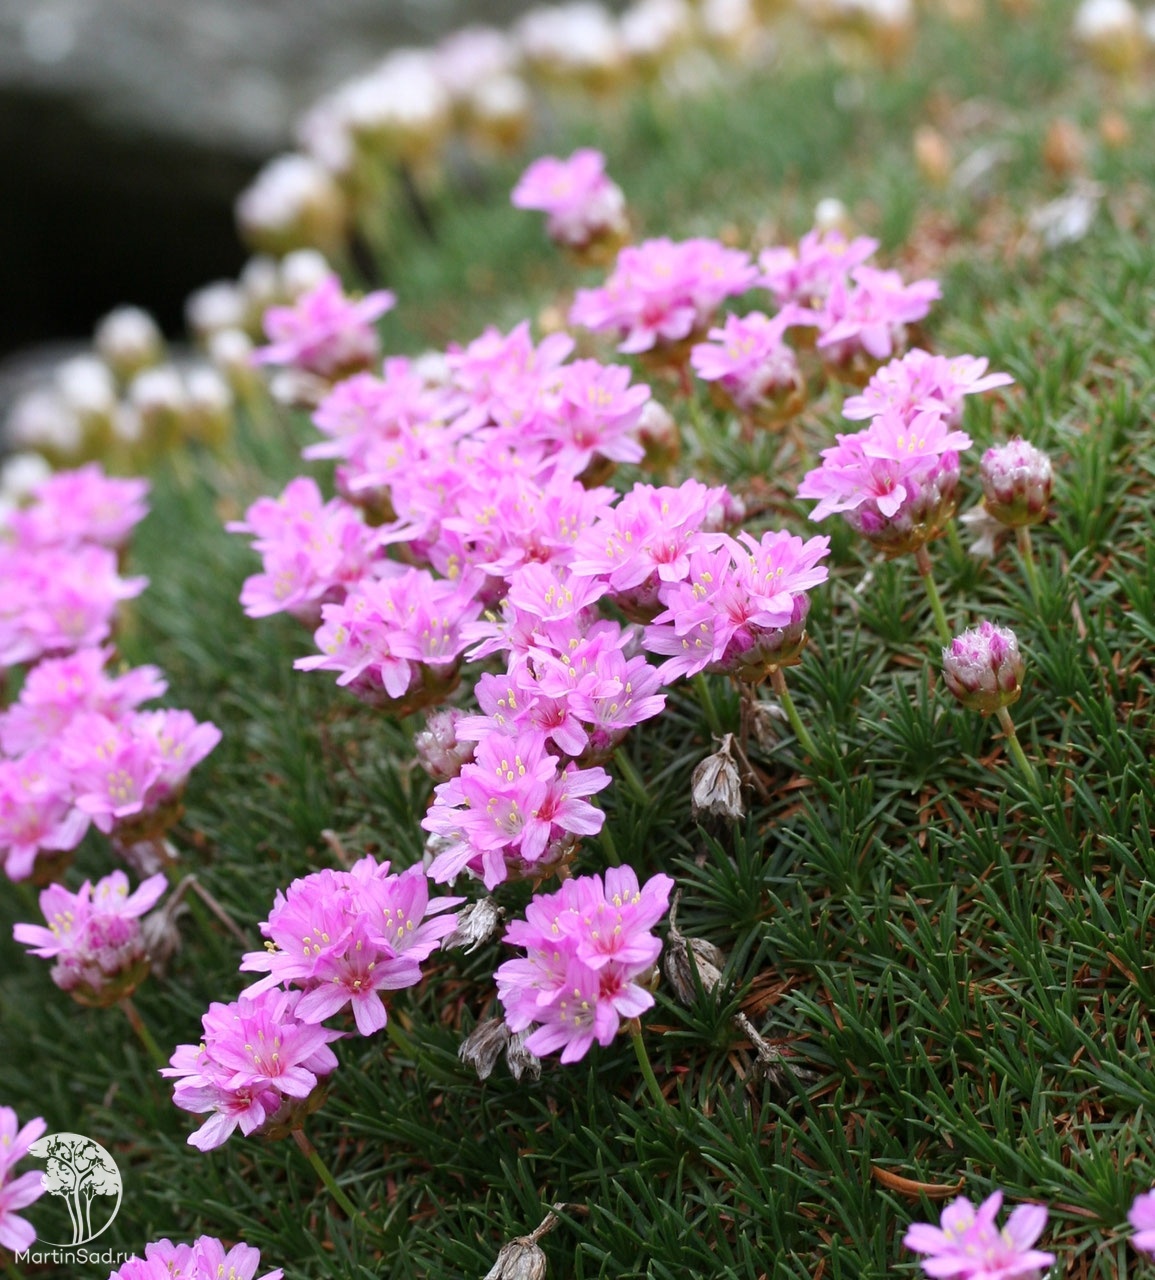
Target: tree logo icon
80, 1171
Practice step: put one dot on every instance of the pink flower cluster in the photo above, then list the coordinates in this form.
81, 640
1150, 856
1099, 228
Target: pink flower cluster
58, 563
205, 1259
17, 1233
581, 203
75, 750
324, 332
589, 950
749, 359
897, 480
94, 936
969, 1246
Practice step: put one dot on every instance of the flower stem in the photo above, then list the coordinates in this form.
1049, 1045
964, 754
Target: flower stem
922, 559
805, 741
632, 779
706, 698
143, 1034
643, 1057
321, 1169
1016, 749
1023, 538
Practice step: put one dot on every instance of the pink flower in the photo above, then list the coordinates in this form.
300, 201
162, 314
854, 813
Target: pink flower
81, 506
37, 813
871, 315
806, 277
581, 203
324, 332
344, 937
591, 411
917, 382
16, 1233
748, 357
205, 1259
1141, 1216
586, 947
94, 936
662, 291
968, 1245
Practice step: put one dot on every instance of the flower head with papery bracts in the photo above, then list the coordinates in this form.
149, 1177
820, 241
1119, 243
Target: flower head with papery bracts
896, 481
94, 936
1141, 1216
512, 812
16, 1233
205, 1259
71, 508
324, 332
918, 382
587, 946
806, 276
343, 937
663, 291
967, 1245
1017, 480
983, 667
256, 1061
580, 201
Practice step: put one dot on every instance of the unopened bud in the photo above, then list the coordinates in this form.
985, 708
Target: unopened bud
1017, 479
302, 271
216, 306
438, 750
482, 1047
158, 396
716, 786
476, 924
983, 668
210, 407
42, 421
88, 388
520, 1060
231, 351
128, 340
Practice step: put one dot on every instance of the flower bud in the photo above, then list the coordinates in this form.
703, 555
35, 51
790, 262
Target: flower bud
216, 306
210, 407
482, 1047
41, 421
1016, 480
716, 786
983, 668
128, 340
476, 924
438, 750
1111, 31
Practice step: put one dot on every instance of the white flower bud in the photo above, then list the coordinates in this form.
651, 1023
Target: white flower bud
129, 340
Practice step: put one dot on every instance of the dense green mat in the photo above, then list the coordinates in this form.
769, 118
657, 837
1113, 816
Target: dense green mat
958, 971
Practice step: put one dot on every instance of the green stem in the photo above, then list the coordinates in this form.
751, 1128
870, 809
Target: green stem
643, 1057
632, 779
607, 841
143, 1034
706, 698
321, 1169
1023, 538
922, 559
1016, 749
805, 741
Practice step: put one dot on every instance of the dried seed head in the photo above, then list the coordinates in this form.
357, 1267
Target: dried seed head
481, 1048
678, 966
521, 1259
519, 1059
716, 786
437, 747
476, 924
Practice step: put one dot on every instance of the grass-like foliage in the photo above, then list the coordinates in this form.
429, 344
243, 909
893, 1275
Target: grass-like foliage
953, 967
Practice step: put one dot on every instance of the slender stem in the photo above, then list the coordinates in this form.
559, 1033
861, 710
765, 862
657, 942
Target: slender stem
922, 559
1016, 749
805, 741
143, 1034
706, 698
321, 1169
1023, 538
630, 774
643, 1057
611, 850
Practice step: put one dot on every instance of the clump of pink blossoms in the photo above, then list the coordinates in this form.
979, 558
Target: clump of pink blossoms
205, 1259
343, 937
867, 317
70, 508
749, 360
969, 1246
94, 937
805, 276
583, 206
920, 381
17, 1233
324, 332
589, 951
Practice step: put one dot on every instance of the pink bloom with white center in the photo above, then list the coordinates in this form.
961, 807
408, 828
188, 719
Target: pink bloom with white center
58, 689
257, 1061
205, 1259
918, 381
1141, 1216
17, 1233
581, 202
968, 1246
587, 945
343, 937
94, 936
37, 814
749, 358
324, 332
870, 316
81, 506
662, 291
806, 276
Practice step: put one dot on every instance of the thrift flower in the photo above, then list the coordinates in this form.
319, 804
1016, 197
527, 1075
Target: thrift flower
919, 381
968, 1245
37, 814
581, 203
1141, 1216
748, 359
205, 1259
1017, 479
16, 1233
71, 508
869, 315
94, 936
806, 276
983, 668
